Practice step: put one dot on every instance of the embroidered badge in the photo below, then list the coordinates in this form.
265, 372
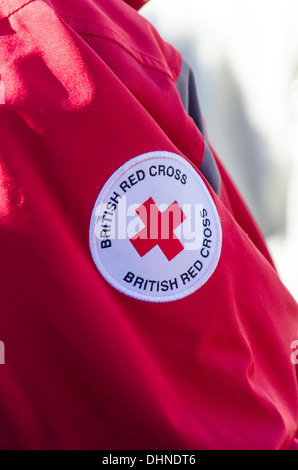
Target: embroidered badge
155, 233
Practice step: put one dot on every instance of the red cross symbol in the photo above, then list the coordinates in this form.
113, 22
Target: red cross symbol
159, 229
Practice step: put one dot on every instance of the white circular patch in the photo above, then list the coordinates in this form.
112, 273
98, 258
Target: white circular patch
155, 233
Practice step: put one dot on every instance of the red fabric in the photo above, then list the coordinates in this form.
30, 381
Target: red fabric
87, 367
137, 4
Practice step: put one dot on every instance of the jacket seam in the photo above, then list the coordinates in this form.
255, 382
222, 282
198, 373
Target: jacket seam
124, 44
108, 28
173, 63
151, 67
15, 11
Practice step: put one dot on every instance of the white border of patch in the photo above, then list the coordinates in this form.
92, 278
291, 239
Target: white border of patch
102, 265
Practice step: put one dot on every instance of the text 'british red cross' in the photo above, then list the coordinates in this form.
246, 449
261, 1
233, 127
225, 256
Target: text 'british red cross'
159, 229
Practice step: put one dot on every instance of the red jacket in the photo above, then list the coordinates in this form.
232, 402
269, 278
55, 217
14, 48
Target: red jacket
140, 343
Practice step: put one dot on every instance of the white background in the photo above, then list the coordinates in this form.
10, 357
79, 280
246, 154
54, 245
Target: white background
245, 58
